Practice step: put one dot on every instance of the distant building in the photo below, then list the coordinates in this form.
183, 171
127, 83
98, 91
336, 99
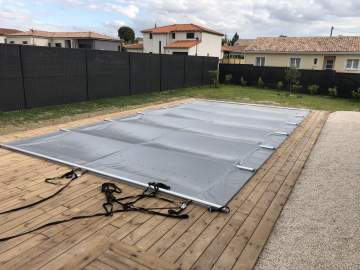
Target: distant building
6, 31
235, 54
186, 39
89, 40
135, 47
341, 53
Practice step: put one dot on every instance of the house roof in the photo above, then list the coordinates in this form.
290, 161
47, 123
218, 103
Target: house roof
305, 44
182, 44
180, 28
79, 35
134, 46
6, 31
235, 48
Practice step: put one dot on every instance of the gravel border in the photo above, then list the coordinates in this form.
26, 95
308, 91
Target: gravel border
319, 227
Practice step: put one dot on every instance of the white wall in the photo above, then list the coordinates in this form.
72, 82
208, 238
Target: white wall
2, 39
306, 62
37, 41
210, 45
107, 45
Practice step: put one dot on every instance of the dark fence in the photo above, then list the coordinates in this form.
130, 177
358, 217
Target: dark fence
345, 82
40, 76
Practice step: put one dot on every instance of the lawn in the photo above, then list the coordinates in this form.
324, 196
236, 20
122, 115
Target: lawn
25, 119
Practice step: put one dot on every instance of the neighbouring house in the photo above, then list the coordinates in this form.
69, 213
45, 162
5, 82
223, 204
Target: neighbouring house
88, 40
340, 53
135, 47
235, 54
186, 39
6, 31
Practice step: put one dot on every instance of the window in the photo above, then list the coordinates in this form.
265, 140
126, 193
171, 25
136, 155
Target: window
5, 40
190, 35
173, 35
58, 45
295, 62
67, 43
315, 61
329, 64
150, 36
352, 64
25, 42
260, 61
12, 42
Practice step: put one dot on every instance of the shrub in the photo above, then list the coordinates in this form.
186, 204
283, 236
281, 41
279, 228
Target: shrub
260, 83
228, 78
280, 85
313, 89
214, 77
356, 94
333, 91
242, 81
297, 87
291, 77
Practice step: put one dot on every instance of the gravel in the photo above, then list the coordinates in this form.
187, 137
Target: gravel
319, 227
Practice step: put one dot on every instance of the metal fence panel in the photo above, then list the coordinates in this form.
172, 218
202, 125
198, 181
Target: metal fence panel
145, 73
108, 74
11, 88
53, 75
193, 70
172, 71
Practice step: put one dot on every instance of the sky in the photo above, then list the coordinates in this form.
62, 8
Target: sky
250, 18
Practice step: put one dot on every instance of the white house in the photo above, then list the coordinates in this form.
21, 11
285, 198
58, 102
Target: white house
89, 40
6, 31
188, 39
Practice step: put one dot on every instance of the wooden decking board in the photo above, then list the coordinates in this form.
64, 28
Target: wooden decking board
205, 240
245, 208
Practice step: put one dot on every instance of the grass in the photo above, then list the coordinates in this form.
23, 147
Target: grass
25, 119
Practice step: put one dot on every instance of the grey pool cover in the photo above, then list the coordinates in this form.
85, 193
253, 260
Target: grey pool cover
204, 150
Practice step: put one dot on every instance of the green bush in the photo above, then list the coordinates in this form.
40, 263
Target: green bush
356, 94
313, 89
297, 87
291, 77
260, 83
280, 85
214, 77
228, 78
333, 91
242, 81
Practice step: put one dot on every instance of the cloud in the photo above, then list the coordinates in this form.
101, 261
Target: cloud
250, 18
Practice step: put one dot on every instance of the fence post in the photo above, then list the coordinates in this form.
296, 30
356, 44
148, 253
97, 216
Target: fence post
184, 77
129, 65
202, 70
87, 74
22, 77
160, 57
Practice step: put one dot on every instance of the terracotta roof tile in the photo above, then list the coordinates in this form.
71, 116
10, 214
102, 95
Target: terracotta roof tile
79, 35
305, 44
134, 46
182, 44
180, 28
6, 31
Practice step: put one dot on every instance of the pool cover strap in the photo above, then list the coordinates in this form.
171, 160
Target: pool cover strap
109, 189
71, 175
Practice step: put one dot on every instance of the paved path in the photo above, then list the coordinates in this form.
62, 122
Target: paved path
319, 227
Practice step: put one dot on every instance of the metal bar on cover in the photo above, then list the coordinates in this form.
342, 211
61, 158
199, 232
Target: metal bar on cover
123, 179
245, 168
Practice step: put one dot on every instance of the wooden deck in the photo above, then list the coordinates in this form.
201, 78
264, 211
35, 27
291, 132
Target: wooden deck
136, 240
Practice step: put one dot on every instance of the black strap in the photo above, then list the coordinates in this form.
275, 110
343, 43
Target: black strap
110, 189
71, 175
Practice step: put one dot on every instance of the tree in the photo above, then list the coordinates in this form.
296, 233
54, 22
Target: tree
234, 38
225, 40
126, 33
